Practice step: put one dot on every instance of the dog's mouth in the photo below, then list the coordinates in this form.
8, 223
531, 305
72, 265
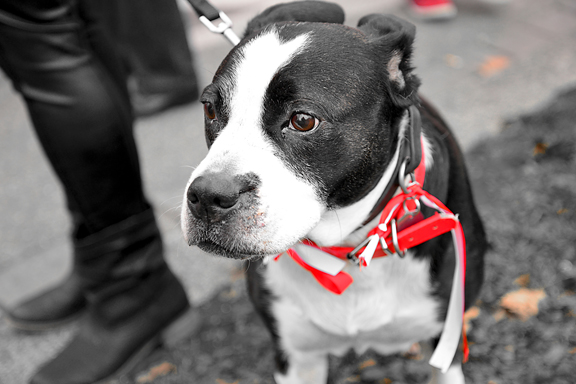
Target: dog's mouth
217, 249
229, 238
229, 252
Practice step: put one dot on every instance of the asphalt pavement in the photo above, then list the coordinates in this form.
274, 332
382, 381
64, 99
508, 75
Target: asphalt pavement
489, 64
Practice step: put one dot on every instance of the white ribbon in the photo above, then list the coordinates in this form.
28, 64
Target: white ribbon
450, 337
370, 249
320, 260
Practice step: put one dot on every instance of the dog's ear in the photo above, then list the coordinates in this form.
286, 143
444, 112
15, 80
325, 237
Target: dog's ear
392, 38
314, 11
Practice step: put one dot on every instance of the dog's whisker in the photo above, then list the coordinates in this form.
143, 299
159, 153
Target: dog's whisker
179, 197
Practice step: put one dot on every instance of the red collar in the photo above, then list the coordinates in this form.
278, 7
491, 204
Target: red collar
404, 208
401, 226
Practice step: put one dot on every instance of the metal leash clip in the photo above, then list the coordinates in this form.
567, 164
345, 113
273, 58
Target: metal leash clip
207, 13
394, 231
224, 28
410, 213
402, 176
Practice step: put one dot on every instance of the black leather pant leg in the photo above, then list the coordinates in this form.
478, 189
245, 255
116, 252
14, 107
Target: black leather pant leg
58, 59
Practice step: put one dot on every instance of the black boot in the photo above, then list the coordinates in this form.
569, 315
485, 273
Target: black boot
54, 307
135, 303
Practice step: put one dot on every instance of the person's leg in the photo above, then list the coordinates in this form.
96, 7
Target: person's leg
80, 110
153, 43
58, 59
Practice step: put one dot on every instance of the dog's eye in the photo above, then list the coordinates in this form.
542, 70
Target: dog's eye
209, 111
303, 122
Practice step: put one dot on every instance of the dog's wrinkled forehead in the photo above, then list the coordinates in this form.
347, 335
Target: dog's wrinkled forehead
254, 65
323, 52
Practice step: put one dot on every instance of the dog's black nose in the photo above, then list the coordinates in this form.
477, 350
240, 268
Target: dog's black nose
212, 196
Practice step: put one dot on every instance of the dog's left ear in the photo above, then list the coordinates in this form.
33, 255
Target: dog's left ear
392, 38
313, 11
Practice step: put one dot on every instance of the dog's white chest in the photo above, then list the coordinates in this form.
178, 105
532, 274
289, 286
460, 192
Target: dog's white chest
388, 307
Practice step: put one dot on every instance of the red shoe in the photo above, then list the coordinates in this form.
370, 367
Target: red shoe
433, 9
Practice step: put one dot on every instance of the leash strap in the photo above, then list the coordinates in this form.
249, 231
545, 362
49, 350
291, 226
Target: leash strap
411, 148
414, 142
450, 336
207, 14
453, 325
204, 8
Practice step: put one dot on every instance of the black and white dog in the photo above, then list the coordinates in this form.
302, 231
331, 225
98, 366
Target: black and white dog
306, 120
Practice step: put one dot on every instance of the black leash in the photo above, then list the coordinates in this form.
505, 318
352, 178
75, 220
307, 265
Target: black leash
207, 14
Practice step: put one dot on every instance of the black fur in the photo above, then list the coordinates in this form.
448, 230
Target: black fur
313, 11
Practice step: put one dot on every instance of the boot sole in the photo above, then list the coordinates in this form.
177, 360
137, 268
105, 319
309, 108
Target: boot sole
185, 325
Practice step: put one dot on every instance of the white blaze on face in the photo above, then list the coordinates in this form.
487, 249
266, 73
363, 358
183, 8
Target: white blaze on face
290, 205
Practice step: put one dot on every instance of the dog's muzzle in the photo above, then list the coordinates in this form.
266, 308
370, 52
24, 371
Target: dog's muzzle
221, 213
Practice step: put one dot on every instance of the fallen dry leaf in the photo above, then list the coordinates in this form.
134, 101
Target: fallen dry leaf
539, 149
572, 351
493, 65
471, 314
156, 371
415, 352
366, 364
523, 280
220, 381
229, 294
499, 315
522, 303
454, 61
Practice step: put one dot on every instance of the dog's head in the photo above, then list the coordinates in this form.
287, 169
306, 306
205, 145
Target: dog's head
302, 118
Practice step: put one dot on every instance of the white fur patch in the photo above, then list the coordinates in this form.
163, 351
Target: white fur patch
387, 308
428, 152
289, 205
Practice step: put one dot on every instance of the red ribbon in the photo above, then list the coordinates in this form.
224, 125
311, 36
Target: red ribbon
336, 284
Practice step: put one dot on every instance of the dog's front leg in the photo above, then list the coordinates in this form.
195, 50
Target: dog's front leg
454, 375
305, 368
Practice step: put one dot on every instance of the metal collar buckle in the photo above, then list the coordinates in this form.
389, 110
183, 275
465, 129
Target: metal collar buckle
408, 213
